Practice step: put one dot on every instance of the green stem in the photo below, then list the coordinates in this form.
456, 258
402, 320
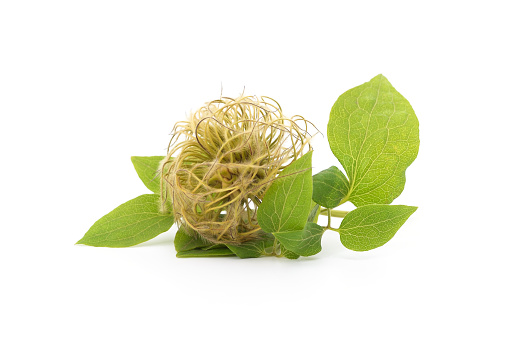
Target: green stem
330, 212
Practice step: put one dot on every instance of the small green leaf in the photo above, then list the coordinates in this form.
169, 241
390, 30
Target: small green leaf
374, 133
254, 248
183, 241
147, 169
289, 254
330, 186
371, 226
306, 242
133, 222
215, 252
286, 204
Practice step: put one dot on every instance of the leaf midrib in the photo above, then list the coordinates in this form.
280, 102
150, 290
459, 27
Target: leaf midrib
367, 126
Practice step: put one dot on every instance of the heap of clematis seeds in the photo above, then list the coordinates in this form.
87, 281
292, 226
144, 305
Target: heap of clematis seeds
222, 160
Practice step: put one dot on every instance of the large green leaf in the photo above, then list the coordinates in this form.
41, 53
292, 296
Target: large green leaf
374, 133
133, 222
371, 226
254, 248
286, 204
306, 242
330, 186
147, 170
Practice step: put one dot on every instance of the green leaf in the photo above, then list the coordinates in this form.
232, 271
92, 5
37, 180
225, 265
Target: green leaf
330, 186
215, 252
147, 169
371, 226
133, 222
254, 248
306, 242
374, 133
286, 204
289, 254
183, 241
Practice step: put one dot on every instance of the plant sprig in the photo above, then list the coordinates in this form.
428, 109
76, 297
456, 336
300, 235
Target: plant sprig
373, 132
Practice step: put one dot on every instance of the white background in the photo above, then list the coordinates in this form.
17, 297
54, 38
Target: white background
84, 85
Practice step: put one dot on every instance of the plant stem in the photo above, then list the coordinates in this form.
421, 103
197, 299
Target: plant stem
329, 217
337, 214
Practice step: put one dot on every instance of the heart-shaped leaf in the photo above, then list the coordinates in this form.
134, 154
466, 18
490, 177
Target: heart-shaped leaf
374, 133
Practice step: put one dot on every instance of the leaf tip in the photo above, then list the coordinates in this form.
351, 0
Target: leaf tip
379, 78
412, 209
82, 241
